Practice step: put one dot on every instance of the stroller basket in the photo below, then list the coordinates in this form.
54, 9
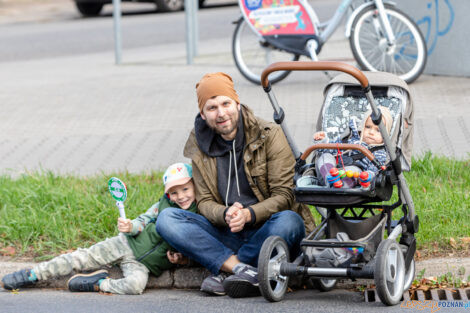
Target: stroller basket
366, 234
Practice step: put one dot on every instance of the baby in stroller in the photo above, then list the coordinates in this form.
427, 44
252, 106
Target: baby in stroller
367, 135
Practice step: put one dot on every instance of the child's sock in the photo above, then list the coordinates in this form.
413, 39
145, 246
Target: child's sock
32, 276
100, 281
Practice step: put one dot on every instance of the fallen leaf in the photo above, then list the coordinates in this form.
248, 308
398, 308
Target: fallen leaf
10, 251
424, 288
453, 243
465, 240
418, 254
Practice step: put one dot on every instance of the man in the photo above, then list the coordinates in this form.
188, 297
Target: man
243, 172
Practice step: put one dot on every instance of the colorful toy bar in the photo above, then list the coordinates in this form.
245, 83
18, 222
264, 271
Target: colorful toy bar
335, 177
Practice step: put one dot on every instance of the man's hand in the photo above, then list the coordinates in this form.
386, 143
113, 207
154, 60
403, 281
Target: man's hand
124, 225
176, 258
238, 221
231, 212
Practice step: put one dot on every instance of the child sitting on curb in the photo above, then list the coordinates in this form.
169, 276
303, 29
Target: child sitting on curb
138, 248
369, 136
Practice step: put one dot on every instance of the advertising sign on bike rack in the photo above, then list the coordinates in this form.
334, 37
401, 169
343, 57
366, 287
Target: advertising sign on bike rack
277, 17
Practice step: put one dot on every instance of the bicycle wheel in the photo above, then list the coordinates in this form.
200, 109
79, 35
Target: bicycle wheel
252, 55
405, 58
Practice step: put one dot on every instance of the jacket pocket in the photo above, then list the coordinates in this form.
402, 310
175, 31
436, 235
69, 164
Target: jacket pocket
259, 176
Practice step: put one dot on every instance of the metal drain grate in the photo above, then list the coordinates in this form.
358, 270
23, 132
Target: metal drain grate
370, 295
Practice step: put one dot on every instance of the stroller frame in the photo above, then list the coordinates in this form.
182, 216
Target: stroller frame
389, 263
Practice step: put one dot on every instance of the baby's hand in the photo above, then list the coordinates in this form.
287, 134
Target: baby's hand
124, 225
319, 136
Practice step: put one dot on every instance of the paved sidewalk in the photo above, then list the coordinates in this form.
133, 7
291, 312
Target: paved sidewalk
85, 115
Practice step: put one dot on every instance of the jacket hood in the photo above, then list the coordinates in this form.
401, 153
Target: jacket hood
212, 143
252, 128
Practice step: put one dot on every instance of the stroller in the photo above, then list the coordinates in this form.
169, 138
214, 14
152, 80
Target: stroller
349, 242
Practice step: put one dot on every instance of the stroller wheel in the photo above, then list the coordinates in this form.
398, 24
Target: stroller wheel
273, 253
324, 284
389, 273
409, 275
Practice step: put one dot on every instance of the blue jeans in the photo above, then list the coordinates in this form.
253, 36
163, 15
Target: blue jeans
194, 236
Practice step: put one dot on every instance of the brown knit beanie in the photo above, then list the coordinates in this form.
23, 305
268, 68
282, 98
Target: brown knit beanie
215, 84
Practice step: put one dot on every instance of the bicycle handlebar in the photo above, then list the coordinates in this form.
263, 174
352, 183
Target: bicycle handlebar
314, 66
341, 146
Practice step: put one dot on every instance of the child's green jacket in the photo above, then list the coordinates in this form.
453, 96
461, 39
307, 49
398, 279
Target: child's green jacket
148, 247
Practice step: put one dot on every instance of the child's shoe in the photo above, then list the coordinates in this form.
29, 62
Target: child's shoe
19, 279
87, 282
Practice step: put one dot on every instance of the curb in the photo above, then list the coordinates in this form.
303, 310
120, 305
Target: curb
192, 277
179, 278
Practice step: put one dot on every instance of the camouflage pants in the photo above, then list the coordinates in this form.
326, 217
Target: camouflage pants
112, 250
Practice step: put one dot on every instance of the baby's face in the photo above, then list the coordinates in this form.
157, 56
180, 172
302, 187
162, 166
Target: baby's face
371, 134
183, 195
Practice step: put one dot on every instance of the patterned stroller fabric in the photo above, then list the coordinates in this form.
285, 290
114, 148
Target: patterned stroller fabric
343, 109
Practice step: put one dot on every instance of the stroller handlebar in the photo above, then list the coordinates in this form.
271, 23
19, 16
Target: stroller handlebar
340, 146
314, 66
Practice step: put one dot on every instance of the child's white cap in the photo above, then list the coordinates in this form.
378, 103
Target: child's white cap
177, 174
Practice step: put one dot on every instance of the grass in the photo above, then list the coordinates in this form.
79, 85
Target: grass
441, 192
45, 214
42, 214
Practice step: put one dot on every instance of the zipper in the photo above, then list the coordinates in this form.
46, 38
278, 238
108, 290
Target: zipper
143, 256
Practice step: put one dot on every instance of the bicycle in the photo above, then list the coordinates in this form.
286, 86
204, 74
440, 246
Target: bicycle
382, 38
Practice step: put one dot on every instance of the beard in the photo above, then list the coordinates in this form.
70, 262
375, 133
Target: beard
226, 129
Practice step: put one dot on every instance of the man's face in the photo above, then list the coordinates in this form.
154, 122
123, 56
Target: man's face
371, 134
183, 195
221, 113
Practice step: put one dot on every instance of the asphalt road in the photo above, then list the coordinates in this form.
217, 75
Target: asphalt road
68, 34
336, 301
